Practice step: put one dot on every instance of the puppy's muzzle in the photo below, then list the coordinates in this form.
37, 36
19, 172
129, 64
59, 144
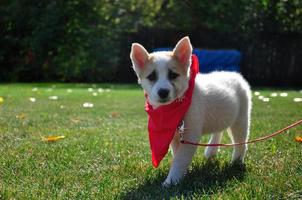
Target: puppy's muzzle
163, 94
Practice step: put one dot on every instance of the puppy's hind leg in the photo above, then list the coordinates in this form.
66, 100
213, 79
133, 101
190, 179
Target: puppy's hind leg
240, 128
239, 133
211, 151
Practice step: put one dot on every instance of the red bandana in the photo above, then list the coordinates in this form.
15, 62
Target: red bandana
164, 120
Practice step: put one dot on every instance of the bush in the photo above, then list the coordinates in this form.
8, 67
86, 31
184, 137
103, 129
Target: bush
79, 40
47, 40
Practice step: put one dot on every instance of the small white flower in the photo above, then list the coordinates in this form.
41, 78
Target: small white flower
34, 89
283, 94
265, 99
90, 89
100, 90
260, 97
94, 94
69, 90
62, 107
256, 93
32, 99
88, 105
49, 90
274, 94
107, 90
297, 99
54, 98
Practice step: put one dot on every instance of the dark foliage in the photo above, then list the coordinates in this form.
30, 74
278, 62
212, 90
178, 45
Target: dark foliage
77, 40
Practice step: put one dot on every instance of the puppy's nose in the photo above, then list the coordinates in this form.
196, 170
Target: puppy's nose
163, 93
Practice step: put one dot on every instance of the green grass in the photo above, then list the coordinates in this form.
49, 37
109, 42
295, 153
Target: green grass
106, 155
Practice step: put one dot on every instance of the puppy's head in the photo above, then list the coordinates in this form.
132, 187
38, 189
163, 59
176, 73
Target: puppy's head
163, 75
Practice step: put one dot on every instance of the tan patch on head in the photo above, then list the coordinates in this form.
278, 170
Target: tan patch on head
177, 67
149, 67
150, 64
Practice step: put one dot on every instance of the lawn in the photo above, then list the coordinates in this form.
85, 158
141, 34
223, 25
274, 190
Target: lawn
105, 153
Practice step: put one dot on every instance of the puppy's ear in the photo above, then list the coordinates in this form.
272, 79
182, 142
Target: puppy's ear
183, 51
139, 56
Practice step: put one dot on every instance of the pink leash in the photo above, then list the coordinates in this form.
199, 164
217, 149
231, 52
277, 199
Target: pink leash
241, 143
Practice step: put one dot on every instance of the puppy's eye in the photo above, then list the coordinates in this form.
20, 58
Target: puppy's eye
152, 76
172, 75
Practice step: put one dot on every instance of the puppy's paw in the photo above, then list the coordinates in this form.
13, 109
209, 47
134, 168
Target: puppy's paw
237, 161
165, 184
210, 152
169, 183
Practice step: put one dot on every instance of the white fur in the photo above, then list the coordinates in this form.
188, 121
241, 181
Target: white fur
221, 100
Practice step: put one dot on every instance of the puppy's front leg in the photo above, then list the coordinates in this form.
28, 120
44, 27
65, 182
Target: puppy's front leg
183, 157
180, 164
175, 143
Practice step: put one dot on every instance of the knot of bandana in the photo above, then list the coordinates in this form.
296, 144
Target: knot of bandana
164, 120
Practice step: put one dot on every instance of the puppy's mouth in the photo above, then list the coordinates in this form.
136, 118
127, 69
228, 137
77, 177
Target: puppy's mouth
165, 101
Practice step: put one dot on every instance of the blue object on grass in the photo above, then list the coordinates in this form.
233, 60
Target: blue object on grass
215, 60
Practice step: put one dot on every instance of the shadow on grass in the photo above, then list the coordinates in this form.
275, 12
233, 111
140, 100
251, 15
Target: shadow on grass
204, 179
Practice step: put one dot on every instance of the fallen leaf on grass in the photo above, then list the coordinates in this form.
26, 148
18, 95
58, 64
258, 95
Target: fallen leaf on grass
75, 120
1, 100
298, 139
69, 90
21, 116
274, 94
54, 98
88, 105
52, 138
32, 99
283, 94
115, 114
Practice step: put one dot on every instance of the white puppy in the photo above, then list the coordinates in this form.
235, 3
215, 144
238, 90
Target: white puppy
220, 100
